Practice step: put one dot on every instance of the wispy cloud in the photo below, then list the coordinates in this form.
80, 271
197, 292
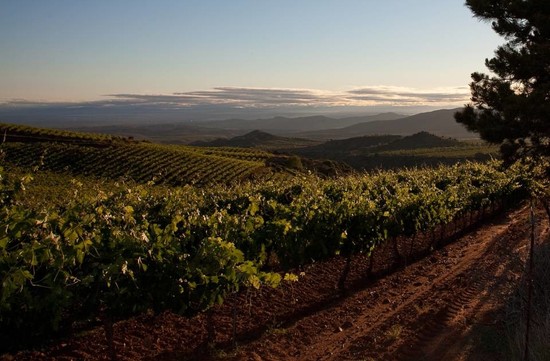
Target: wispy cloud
243, 97
409, 96
227, 98
270, 97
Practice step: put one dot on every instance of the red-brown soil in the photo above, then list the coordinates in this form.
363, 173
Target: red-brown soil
443, 306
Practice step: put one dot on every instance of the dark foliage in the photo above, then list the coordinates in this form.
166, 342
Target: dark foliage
512, 108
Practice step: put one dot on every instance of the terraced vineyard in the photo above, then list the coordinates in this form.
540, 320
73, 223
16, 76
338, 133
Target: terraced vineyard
27, 134
114, 158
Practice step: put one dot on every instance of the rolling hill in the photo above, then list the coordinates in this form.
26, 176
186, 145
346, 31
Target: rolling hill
332, 149
394, 151
421, 140
28, 134
367, 152
258, 139
439, 122
168, 133
117, 158
284, 125
114, 158
215, 131
221, 161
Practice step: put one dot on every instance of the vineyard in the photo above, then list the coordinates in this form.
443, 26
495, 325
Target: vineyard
145, 228
117, 252
173, 165
249, 181
27, 134
103, 156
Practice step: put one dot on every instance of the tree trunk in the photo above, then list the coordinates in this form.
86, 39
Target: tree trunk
412, 246
398, 258
234, 324
371, 263
109, 336
211, 331
344, 276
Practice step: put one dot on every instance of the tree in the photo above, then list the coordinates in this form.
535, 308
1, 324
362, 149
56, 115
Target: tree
512, 106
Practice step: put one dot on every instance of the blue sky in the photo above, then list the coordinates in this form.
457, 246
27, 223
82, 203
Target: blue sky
74, 51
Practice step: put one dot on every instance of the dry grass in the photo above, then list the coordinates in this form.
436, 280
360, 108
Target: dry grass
394, 332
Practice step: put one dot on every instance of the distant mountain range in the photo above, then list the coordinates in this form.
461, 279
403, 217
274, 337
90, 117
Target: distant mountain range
439, 122
300, 124
190, 133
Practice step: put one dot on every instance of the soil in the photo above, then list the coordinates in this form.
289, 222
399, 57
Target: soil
448, 305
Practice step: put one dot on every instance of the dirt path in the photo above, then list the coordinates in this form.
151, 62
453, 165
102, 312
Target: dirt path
437, 308
427, 311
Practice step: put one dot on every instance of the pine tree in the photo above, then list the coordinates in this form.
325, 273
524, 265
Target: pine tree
511, 107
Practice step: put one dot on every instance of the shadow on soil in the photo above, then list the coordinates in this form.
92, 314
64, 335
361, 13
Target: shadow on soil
501, 333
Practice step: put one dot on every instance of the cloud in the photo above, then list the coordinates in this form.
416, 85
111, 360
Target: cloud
242, 97
410, 96
224, 101
273, 97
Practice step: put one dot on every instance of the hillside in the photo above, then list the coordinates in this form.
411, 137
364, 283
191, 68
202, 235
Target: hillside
395, 151
344, 146
284, 125
366, 152
117, 158
114, 158
439, 122
355, 145
169, 133
140, 162
28, 134
421, 140
214, 131
258, 139
224, 160
166, 255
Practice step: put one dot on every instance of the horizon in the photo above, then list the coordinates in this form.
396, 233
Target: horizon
215, 60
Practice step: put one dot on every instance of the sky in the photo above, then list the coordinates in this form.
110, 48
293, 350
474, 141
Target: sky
240, 53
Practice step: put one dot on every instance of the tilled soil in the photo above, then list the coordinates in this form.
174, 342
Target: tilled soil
432, 309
